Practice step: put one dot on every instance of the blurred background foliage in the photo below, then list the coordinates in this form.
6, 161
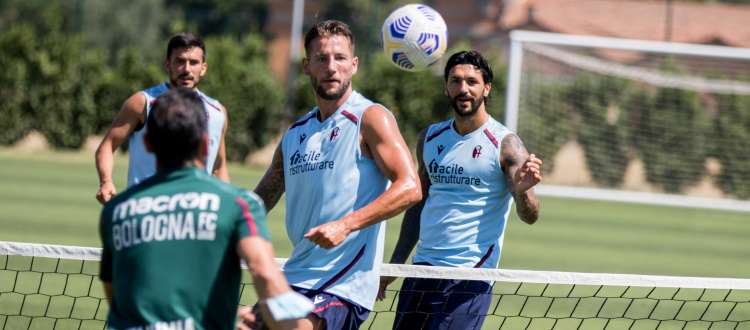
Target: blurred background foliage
68, 66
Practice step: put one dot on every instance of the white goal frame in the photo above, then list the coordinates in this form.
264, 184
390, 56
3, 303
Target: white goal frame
515, 62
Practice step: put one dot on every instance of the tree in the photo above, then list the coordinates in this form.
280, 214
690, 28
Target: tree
670, 136
240, 79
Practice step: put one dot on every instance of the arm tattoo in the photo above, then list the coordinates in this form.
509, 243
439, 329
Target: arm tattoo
409, 235
271, 186
513, 154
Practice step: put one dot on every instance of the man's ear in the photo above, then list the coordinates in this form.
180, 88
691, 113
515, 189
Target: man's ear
306, 66
147, 144
203, 69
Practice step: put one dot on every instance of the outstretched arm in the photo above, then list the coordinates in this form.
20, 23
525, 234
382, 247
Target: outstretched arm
220, 165
271, 186
132, 115
522, 174
382, 141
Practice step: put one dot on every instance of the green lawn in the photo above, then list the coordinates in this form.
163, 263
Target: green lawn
49, 198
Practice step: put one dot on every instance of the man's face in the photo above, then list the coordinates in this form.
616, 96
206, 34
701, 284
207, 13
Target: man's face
330, 65
466, 89
185, 67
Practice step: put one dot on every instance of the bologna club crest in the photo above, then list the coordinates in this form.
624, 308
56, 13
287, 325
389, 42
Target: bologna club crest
477, 151
334, 133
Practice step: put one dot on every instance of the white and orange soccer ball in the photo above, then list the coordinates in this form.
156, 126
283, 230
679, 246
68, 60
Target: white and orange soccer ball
414, 37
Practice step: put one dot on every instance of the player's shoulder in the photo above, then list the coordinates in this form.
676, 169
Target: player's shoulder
154, 92
359, 105
435, 130
210, 102
494, 125
305, 119
231, 191
499, 132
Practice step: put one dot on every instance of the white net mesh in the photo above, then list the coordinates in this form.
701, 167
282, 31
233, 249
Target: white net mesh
56, 287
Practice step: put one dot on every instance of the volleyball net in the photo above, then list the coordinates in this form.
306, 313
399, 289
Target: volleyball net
57, 287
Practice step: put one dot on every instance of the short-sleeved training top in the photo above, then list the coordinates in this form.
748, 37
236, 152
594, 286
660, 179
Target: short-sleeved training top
170, 250
326, 178
142, 164
463, 220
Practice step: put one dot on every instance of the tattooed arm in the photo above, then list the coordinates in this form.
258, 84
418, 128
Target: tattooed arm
409, 235
271, 186
522, 174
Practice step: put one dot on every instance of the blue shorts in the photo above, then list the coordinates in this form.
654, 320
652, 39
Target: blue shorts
425, 303
337, 312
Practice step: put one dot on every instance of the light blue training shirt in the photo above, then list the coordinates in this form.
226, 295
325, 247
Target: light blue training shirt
142, 164
463, 220
326, 178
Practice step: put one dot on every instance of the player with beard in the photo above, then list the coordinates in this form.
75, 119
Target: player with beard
471, 168
335, 165
185, 64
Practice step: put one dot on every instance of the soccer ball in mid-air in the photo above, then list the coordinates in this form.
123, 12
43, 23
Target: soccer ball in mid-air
414, 37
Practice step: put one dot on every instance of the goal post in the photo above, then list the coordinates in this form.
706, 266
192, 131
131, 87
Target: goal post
633, 120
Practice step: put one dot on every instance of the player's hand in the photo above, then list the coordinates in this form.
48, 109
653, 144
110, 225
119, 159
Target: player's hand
328, 235
528, 174
246, 316
384, 282
106, 191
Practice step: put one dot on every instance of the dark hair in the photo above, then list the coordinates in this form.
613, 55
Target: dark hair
187, 40
471, 58
327, 29
176, 125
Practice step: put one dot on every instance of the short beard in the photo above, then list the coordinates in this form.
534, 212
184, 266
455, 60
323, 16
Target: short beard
331, 96
474, 107
174, 83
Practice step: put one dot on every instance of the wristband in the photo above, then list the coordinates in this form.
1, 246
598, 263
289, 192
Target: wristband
288, 305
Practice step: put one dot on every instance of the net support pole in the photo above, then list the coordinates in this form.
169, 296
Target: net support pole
515, 60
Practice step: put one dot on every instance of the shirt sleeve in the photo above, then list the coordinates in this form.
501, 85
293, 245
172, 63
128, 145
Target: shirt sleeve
251, 220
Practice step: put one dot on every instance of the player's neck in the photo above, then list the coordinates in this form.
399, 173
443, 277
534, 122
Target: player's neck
467, 124
201, 164
326, 108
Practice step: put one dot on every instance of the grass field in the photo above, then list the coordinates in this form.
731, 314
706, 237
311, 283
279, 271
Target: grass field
49, 198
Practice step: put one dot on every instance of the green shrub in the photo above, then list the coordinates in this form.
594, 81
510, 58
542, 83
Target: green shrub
239, 78
546, 121
17, 118
603, 128
671, 137
732, 143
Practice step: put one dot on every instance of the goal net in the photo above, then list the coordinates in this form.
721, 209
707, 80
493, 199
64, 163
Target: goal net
57, 287
631, 120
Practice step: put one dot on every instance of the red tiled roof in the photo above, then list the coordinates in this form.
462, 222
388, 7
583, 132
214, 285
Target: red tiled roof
701, 23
